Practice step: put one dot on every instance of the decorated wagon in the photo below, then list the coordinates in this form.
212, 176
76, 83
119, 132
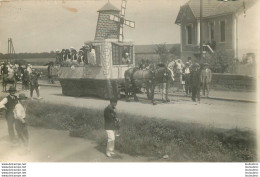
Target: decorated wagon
103, 77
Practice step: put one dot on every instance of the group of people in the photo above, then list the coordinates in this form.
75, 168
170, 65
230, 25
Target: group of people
85, 55
16, 113
29, 76
8, 69
15, 106
195, 77
15, 117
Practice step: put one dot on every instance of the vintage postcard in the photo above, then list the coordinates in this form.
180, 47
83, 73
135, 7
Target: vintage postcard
129, 81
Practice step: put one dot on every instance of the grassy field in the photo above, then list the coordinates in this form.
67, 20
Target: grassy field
153, 138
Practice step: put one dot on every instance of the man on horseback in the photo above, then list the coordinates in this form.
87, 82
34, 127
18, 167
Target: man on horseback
9, 76
4, 70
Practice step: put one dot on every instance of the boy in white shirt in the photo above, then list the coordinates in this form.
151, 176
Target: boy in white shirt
20, 125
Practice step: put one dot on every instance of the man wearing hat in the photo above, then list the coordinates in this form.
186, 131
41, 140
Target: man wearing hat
206, 76
9, 103
195, 80
25, 78
34, 85
186, 78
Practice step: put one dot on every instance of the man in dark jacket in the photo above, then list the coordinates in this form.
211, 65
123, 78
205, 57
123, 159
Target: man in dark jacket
26, 78
195, 81
9, 103
34, 85
110, 126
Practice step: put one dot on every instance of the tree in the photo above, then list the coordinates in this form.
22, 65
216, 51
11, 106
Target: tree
221, 61
162, 51
176, 51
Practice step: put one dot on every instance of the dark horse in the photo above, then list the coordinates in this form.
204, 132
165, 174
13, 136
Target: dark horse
11, 79
135, 79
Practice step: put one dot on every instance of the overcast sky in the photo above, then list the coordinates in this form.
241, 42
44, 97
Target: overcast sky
42, 26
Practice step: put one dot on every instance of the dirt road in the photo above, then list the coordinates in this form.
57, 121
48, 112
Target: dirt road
215, 113
55, 146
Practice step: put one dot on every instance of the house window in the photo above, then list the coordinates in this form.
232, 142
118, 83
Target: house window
122, 55
222, 31
211, 32
189, 34
115, 54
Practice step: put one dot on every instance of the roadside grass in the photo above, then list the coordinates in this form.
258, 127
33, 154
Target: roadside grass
150, 137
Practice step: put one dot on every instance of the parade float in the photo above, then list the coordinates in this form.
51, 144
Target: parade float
110, 57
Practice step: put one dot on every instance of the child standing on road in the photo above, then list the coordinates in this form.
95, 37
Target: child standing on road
20, 125
111, 125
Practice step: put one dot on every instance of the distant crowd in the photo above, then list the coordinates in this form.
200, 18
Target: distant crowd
15, 72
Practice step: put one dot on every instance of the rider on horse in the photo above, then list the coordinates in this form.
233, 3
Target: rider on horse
4, 70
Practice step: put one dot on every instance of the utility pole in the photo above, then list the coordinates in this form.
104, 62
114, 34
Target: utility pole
11, 50
201, 39
8, 56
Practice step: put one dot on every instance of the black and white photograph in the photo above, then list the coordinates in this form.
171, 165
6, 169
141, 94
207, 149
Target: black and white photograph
147, 81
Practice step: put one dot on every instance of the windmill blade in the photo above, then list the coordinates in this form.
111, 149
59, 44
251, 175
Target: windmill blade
130, 23
114, 18
123, 8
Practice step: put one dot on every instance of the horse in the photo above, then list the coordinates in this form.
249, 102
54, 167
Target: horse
128, 81
11, 78
135, 79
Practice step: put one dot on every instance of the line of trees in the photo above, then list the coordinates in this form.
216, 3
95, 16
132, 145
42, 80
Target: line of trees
28, 55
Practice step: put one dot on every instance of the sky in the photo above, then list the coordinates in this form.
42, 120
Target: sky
47, 25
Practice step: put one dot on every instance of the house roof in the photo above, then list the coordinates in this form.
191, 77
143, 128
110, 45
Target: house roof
148, 49
109, 7
214, 8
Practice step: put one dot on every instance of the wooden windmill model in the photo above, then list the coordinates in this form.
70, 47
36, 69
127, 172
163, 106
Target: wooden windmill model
122, 21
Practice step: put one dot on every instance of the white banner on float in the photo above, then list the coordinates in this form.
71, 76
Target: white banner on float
129, 169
